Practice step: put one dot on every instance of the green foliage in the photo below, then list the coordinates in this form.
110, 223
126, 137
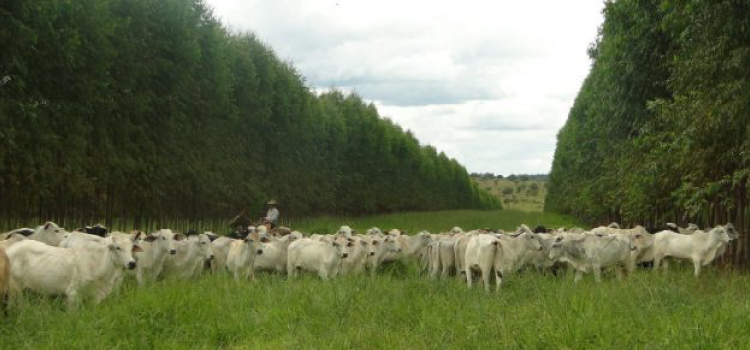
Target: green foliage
659, 130
151, 111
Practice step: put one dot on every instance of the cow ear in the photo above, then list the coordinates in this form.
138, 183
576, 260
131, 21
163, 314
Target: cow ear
138, 235
46, 225
150, 238
350, 244
137, 249
179, 237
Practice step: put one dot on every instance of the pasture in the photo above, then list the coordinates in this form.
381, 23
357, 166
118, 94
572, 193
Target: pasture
526, 195
401, 309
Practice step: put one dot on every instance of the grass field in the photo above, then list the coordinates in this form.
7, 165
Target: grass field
438, 221
399, 309
520, 195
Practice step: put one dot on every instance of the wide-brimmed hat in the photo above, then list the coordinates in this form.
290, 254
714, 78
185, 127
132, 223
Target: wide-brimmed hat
272, 202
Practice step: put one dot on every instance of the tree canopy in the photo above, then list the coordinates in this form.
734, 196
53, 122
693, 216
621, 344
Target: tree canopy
660, 130
152, 111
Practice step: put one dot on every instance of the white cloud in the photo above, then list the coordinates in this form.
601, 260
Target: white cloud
488, 82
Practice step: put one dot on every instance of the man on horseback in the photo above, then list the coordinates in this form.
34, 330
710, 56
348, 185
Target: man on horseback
272, 216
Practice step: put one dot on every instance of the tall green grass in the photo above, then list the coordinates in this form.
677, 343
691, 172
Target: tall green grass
400, 309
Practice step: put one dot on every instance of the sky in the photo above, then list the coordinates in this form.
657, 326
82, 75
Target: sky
489, 83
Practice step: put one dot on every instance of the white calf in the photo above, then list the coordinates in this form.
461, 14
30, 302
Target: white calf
500, 254
157, 247
316, 256
274, 255
49, 234
701, 247
593, 252
192, 254
241, 258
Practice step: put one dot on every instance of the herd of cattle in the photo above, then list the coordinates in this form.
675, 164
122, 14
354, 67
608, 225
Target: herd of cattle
52, 261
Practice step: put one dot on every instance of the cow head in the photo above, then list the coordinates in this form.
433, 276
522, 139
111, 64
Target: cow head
530, 241
204, 246
731, 231
164, 239
122, 249
340, 250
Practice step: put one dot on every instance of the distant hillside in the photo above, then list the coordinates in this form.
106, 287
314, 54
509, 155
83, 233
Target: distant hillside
523, 192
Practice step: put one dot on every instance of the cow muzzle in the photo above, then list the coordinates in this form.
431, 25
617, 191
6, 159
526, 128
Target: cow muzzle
343, 256
259, 251
173, 251
372, 253
131, 265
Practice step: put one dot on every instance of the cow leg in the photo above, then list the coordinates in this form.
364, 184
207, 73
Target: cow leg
486, 275
597, 273
323, 274
578, 276
498, 279
101, 293
697, 266
446, 271
468, 276
665, 266
72, 295
619, 272
657, 263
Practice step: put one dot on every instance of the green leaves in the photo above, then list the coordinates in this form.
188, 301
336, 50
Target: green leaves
151, 111
666, 104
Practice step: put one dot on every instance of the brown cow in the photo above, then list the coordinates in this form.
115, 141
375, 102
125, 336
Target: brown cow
4, 280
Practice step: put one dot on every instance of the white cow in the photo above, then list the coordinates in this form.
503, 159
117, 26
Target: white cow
77, 239
701, 247
157, 247
11, 240
409, 245
220, 248
66, 271
501, 254
442, 256
49, 234
689, 230
374, 231
593, 252
380, 247
274, 254
357, 252
19, 231
459, 251
192, 254
540, 258
241, 258
316, 256
345, 231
